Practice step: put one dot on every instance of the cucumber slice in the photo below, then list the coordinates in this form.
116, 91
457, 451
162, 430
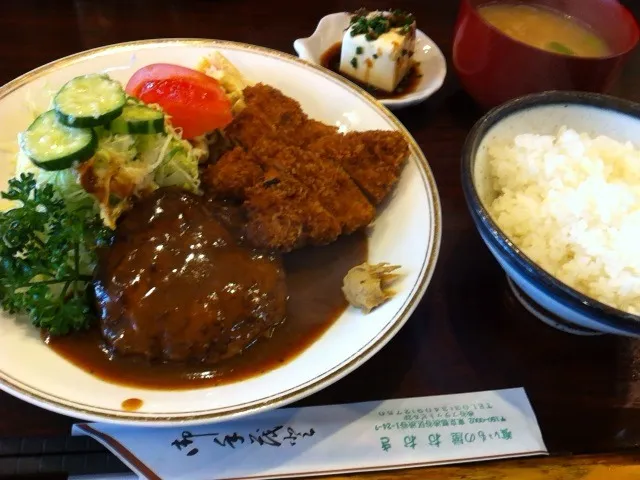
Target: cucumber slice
53, 146
138, 119
89, 101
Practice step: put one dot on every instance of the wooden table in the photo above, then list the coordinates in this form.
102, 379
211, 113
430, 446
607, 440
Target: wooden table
469, 333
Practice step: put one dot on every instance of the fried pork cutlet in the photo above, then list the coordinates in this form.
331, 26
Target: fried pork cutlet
299, 181
248, 127
230, 176
327, 180
283, 215
373, 159
282, 111
308, 132
270, 114
282, 212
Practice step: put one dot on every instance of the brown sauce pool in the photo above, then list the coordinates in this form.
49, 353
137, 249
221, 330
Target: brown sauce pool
331, 60
314, 279
132, 404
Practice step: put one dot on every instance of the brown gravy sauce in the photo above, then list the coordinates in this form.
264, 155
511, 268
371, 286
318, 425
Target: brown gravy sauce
314, 279
331, 60
132, 404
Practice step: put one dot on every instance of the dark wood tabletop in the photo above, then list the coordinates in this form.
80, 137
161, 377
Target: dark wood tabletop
469, 332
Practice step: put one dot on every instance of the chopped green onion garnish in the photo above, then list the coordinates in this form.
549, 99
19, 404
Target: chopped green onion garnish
560, 48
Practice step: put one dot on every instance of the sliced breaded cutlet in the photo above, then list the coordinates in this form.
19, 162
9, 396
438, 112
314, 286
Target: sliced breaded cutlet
373, 159
249, 127
298, 180
308, 132
271, 114
280, 110
232, 174
335, 190
284, 215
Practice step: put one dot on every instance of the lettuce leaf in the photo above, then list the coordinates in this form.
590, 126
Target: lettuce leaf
65, 182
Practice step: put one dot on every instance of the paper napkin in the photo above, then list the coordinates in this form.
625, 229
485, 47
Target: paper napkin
333, 439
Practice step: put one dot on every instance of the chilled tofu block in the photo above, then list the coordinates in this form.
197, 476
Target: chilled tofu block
378, 51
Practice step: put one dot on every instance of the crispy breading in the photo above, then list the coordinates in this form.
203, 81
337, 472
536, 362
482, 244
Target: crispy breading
327, 180
301, 182
270, 114
283, 215
280, 110
308, 132
248, 127
374, 158
230, 176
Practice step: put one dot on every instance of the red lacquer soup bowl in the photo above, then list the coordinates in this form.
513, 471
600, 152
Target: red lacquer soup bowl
494, 68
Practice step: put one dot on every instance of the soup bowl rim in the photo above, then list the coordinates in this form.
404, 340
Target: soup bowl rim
615, 54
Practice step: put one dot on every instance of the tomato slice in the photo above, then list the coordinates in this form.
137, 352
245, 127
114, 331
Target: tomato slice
163, 71
195, 102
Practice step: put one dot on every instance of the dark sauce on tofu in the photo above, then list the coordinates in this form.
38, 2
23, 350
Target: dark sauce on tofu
313, 278
331, 60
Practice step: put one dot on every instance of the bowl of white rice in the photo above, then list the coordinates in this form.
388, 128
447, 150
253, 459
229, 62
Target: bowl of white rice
552, 181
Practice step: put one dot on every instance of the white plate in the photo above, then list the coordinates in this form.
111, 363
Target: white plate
433, 65
406, 232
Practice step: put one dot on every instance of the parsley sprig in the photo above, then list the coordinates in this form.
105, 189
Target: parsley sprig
44, 252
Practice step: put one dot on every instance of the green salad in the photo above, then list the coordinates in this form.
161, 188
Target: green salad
81, 164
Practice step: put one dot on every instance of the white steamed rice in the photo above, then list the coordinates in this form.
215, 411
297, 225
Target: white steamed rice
571, 203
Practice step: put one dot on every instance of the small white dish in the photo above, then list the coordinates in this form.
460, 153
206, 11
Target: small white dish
433, 65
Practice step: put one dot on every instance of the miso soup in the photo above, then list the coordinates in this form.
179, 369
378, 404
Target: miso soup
544, 28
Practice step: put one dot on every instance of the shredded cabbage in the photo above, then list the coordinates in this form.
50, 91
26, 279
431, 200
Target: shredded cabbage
135, 164
178, 164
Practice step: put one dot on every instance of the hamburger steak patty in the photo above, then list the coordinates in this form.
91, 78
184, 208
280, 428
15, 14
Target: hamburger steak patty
176, 286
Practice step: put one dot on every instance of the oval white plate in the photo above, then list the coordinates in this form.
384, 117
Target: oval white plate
433, 65
406, 232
